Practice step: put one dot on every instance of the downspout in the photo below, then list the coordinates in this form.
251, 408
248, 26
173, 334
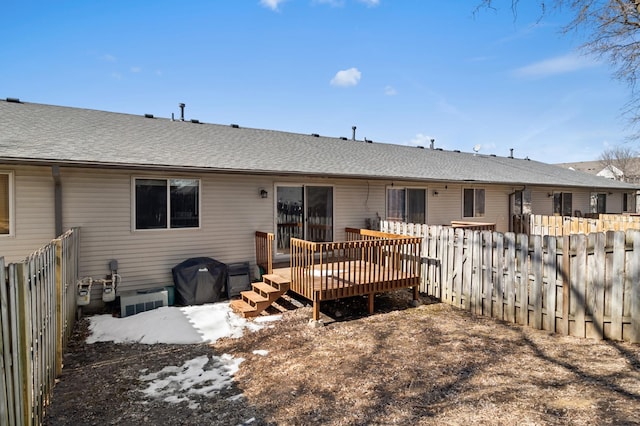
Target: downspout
57, 199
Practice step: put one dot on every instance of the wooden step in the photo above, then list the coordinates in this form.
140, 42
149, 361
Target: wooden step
266, 290
253, 298
276, 281
243, 308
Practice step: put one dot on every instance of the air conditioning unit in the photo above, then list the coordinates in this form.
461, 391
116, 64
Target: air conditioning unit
134, 302
238, 278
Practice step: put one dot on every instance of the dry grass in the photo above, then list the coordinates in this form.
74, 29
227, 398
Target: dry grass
427, 365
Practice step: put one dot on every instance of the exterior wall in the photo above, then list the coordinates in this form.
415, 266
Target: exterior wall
33, 212
447, 205
100, 203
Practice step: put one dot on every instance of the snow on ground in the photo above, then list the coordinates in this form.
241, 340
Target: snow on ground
177, 325
182, 325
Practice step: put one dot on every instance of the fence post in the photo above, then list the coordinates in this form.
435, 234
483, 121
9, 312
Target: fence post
566, 282
60, 311
635, 290
25, 368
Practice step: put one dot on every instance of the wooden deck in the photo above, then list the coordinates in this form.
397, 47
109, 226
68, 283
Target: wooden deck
369, 262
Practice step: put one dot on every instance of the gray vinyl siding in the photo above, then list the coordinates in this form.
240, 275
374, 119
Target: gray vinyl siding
33, 212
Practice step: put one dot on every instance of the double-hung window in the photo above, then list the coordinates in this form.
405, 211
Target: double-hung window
166, 203
473, 202
6, 199
407, 205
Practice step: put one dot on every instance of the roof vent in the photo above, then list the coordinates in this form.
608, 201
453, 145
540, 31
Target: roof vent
315, 135
368, 140
493, 155
456, 150
193, 120
181, 105
439, 149
14, 100
343, 138
148, 116
235, 126
420, 147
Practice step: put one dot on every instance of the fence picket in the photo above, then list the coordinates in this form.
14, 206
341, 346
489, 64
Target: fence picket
634, 273
550, 265
581, 285
617, 285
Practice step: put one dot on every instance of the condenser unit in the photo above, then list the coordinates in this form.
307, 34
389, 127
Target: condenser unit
133, 302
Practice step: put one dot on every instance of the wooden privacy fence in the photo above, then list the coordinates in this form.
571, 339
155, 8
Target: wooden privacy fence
558, 226
37, 314
580, 285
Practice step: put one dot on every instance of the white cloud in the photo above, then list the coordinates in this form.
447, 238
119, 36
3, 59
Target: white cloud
136, 69
346, 78
370, 3
271, 4
390, 91
109, 58
116, 75
553, 66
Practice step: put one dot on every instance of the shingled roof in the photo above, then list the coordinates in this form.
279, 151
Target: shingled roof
36, 133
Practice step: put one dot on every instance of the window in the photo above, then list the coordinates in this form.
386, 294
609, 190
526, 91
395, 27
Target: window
473, 202
522, 202
6, 184
167, 203
598, 203
407, 205
628, 202
562, 203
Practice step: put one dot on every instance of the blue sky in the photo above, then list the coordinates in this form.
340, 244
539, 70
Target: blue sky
402, 71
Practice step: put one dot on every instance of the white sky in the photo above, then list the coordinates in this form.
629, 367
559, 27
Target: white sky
205, 375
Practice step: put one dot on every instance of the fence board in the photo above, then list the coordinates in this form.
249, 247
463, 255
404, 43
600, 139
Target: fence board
579, 285
634, 273
6, 388
617, 287
550, 265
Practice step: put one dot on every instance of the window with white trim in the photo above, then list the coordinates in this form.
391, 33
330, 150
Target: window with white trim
166, 203
473, 202
407, 205
6, 200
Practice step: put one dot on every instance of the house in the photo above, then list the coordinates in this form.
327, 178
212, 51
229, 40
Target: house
151, 192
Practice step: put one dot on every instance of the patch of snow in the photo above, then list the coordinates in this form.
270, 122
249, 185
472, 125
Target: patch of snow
260, 352
175, 325
201, 376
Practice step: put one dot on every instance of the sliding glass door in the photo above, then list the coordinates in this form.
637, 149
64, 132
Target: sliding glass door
304, 212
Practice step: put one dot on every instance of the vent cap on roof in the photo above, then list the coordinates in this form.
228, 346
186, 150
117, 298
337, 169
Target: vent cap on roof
193, 120
315, 135
235, 126
148, 116
14, 100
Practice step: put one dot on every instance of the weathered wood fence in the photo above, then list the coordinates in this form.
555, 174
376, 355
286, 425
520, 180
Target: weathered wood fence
37, 314
580, 285
558, 226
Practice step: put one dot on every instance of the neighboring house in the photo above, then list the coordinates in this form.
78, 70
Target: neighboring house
152, 192
631, 200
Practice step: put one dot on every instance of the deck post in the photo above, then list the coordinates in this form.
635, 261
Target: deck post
371, 299
416, 292
316, 310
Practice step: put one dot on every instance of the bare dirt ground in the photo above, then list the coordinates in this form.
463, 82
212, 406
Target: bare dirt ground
410, 366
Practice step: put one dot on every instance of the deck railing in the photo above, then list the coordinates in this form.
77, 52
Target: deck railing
378, 262
264, 251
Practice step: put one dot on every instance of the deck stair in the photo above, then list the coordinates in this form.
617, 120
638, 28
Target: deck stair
261, 295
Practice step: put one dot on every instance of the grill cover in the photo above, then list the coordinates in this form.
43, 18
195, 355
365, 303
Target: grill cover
199, 280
